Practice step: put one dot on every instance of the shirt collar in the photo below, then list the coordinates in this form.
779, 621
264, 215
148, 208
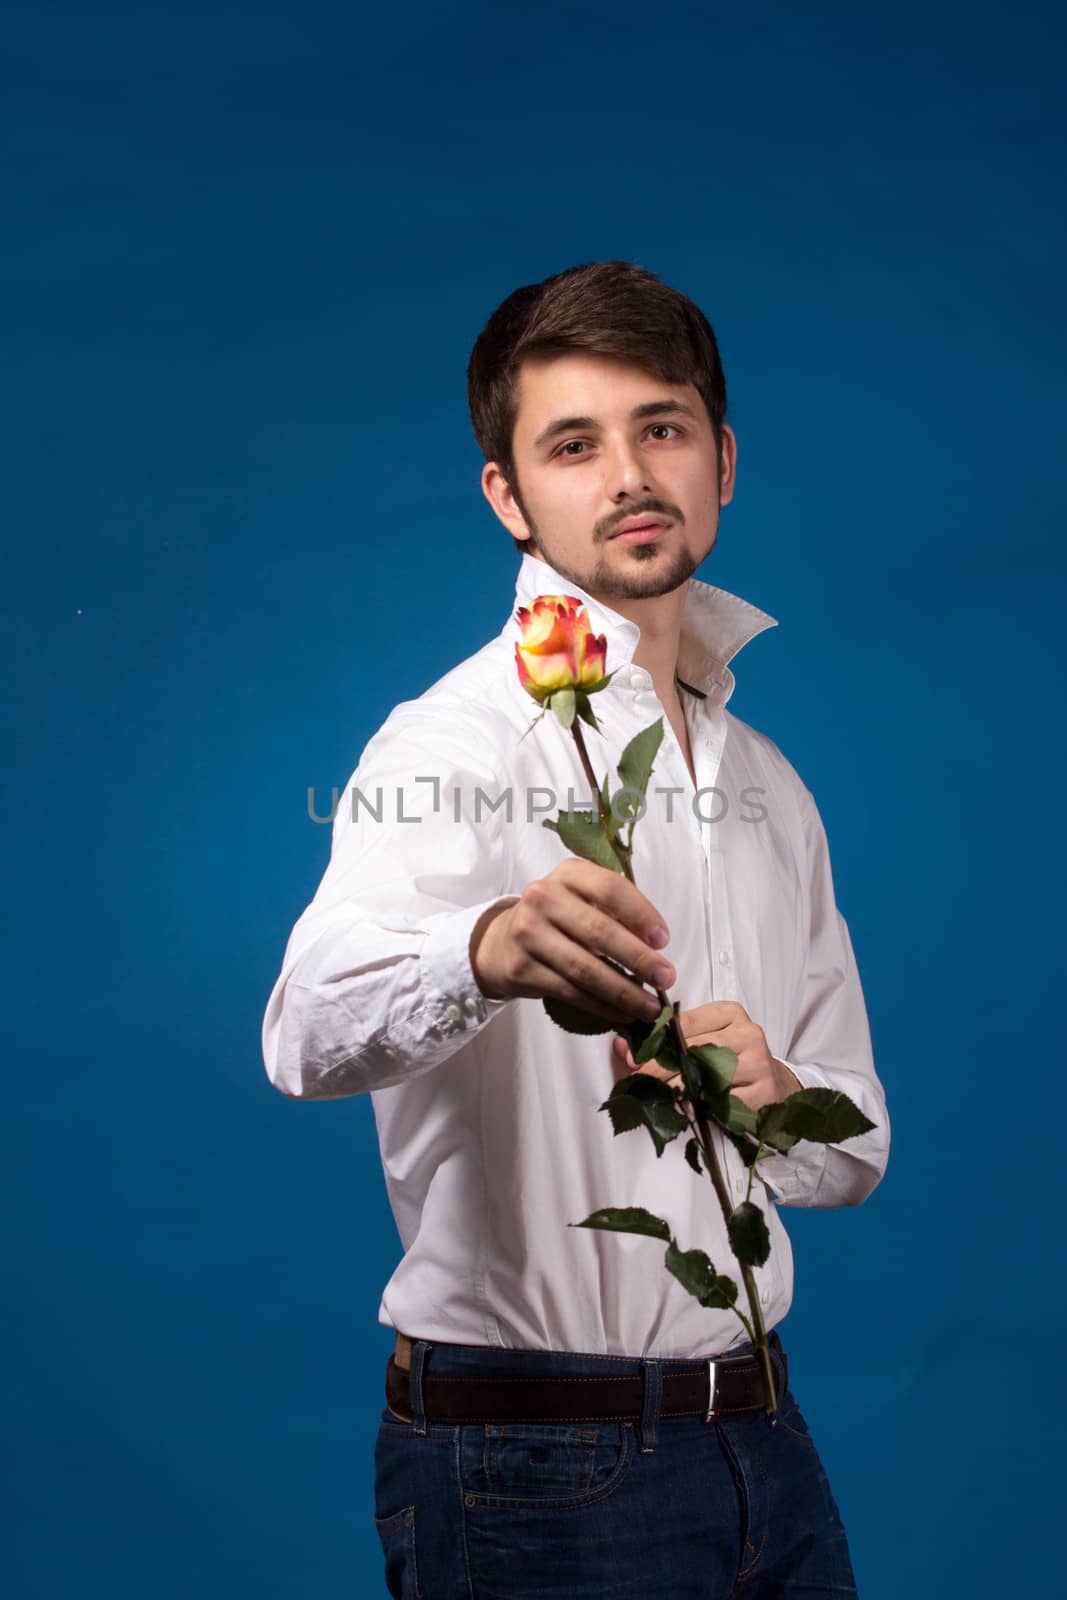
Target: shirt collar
715, 625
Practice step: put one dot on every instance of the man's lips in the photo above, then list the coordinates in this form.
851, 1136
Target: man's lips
640, 535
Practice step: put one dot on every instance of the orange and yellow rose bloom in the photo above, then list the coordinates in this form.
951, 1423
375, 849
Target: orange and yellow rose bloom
558, 649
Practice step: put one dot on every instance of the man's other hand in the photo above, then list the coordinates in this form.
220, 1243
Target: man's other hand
760, 1078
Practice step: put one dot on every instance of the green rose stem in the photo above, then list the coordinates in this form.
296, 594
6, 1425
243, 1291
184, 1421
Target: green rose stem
707, 1149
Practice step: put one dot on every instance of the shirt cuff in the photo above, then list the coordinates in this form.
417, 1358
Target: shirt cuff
796, 1176
453, 997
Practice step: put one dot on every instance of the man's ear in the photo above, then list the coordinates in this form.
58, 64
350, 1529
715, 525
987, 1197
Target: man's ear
727, 465
498, 492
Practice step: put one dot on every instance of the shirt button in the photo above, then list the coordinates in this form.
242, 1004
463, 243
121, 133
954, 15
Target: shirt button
765, 1295
724, 958
739, 1185
452, 1012
470, 1006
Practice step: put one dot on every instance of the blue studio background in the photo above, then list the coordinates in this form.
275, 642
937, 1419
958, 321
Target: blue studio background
248, 248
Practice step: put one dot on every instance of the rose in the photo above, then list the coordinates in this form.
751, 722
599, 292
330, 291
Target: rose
685, 1085
558, 649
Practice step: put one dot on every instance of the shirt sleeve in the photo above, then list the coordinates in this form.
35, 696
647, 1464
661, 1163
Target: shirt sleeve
376, 985
830, 1049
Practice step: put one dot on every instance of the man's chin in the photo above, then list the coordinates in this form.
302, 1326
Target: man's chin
627, 572
644, 570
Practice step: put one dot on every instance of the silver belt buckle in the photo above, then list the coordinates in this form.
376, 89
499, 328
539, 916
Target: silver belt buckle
711, 1392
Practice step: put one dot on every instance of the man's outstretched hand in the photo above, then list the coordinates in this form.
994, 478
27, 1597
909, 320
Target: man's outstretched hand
760, 1078
547, 944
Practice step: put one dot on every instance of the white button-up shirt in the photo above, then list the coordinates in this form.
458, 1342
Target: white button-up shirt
486, 1111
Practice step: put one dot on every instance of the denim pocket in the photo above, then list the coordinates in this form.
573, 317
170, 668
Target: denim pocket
543, 1463
791, 1420
397, 1534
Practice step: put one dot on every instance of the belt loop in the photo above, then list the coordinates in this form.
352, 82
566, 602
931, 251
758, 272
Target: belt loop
419, 1349
651, 1398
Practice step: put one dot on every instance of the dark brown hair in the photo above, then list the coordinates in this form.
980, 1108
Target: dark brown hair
605, 308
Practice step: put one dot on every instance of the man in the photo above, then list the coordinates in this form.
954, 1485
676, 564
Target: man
563, 1417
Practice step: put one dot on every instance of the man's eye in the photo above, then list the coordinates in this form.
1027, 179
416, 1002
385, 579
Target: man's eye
568, 449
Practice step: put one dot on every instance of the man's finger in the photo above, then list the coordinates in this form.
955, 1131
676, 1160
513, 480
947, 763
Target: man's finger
588, 974
711, 1017
620, 898
651, 1068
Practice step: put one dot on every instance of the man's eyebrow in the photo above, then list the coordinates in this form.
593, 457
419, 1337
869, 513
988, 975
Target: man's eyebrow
651, 408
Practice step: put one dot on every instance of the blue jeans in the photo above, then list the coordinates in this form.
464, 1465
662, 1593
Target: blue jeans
558, 1511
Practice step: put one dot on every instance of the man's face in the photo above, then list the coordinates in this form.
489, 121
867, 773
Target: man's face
599, 443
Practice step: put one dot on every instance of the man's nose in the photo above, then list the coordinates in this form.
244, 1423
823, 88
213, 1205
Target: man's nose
626, 470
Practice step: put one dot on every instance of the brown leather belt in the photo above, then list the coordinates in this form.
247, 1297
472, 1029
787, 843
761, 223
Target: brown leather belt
726, 1387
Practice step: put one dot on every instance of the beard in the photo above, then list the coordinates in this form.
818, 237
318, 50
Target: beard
609, 581
647, 571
